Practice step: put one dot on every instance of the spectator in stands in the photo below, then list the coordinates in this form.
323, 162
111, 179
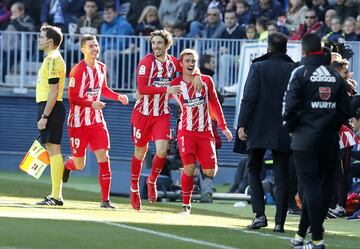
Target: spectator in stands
242, 12
168, 26
233, 30
10, 42
261, 28
325, 26
320, 7
336, 34
267, 8
357, 29
272, 27
61, 13
349, 29
310, 26
89, 23
219, 4
148, 21
180, 44
112, 46
346, 8
261, 104
170, 10
229, 54
4, 14
195, 11
250, 32
136, 7
32, 8
214, 26
295, 14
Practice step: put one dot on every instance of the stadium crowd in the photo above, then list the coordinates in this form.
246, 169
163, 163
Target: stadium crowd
332, 20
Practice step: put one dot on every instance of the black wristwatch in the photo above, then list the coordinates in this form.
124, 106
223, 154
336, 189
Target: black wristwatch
44, 116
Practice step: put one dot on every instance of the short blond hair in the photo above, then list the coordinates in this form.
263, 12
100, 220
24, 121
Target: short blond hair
189, 51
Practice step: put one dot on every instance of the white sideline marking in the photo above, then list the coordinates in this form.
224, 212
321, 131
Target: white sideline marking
168, 235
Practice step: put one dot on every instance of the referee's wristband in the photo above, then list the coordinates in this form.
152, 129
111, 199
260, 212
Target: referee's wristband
44, 116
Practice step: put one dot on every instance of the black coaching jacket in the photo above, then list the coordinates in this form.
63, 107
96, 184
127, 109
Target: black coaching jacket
315, 105
260, 110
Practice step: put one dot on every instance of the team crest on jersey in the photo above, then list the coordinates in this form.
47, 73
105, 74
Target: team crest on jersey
142, 70
72, 82
325, 93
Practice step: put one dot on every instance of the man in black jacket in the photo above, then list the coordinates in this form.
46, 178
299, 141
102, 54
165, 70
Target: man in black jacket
315, 105
260, 125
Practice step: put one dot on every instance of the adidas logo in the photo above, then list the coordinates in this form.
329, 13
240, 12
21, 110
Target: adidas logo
321, 74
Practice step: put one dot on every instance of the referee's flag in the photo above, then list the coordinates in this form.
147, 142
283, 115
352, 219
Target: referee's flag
35, 160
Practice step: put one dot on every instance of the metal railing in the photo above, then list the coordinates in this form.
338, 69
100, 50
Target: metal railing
20, 58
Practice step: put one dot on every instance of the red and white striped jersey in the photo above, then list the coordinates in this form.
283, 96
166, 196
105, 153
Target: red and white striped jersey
85, 86
195, 105
153, 77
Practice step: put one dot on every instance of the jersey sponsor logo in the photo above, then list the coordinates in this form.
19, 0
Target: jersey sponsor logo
93, 91
72, 82
194, 102
321, 74
142, 70
323, 105
325, 93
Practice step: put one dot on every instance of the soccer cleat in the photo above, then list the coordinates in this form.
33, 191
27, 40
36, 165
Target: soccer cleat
296, 242
186, 209
152, 191
310, 245
339, 211
49, 201
107, 204
258, 223
331, 214
135, 199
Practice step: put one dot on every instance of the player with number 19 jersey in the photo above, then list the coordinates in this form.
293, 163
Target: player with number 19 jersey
85, 86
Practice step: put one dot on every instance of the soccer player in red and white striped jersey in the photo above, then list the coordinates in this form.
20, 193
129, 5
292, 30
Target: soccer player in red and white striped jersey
150, 119
86, 122
195, 136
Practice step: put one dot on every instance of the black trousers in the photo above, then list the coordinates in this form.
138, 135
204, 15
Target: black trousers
281, 174
315, 174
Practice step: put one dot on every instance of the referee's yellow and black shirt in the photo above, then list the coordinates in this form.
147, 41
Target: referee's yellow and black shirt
53, 67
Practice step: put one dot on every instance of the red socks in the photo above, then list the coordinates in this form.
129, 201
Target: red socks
135, 173
187, 186
157, 166
105, 180
69, 164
